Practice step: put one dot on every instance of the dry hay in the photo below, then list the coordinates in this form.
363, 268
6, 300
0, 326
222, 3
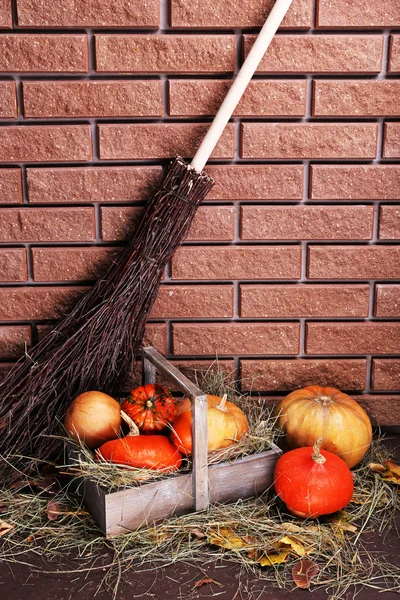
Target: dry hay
40, 516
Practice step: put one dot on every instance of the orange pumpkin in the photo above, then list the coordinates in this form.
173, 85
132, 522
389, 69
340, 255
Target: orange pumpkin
141, 451
151, 407
325, 412
226, 424
313, 482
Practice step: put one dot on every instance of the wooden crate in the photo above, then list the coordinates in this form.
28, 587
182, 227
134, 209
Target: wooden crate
130, 508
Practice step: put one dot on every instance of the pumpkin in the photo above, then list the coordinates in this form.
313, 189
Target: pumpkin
314, 412
226, 424
141, 451
313, 482
94, 418
151, 407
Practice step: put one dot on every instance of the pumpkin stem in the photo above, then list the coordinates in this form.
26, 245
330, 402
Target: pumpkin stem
133, 428
222, 404
317, 456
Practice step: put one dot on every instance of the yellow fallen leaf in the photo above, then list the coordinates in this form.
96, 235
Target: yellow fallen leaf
226, 538
389, 472
393, 467
274, 559
296, 546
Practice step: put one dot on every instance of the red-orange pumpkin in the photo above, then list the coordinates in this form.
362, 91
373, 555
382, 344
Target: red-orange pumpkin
151, 407
142, 451
226, 424
325, 412
313, 482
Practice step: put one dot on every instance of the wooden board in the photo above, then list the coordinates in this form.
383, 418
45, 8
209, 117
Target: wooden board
125, 510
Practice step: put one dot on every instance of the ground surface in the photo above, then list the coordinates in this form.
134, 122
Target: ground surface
47, 582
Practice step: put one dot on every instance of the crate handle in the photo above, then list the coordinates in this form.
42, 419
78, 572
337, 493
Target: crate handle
153, 360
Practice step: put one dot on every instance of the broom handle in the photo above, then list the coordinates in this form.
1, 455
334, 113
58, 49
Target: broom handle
241, 82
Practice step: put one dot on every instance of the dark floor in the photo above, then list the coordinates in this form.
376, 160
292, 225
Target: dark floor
178, 582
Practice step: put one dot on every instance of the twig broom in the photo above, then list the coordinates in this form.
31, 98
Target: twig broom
93, 347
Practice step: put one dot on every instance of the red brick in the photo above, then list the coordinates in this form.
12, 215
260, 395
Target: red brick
387, 300
211, 223
139, 141
306, 222
5, 14
276, 375
353, 338
355, 182
235, 338
237, 262
71, 264
96, 13
354, 262
320, 54
47, 225
92, 99
8, 100
288, 301
389, 222
13, 264
394, 60
14, 339
392, 135
309, 140
10, 186
261, 98
45, 143
256, 182
193, 301
36, 53
165, 53
37, 303
156, 334
361, 14
357, 98
386, 374
92, 184
382, 410
235, 14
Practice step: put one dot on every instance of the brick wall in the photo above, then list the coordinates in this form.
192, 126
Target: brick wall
291, 272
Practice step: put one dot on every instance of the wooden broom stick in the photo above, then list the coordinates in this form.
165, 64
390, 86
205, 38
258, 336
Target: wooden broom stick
241, 82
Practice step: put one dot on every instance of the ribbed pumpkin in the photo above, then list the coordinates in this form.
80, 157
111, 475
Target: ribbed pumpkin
226, 424
155, 452
313, 482
325, 412
151, 407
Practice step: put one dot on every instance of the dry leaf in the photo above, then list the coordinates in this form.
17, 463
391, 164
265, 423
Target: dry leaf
377, 467
389, 472
268, 560
52, 510
197, 532
226, 538
5, 527
295, 545
202, 582
303, 571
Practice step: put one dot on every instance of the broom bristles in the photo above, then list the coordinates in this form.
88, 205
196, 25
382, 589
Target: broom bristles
94, 346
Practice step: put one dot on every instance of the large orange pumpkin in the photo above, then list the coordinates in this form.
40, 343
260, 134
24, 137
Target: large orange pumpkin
226, 424
325, 412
